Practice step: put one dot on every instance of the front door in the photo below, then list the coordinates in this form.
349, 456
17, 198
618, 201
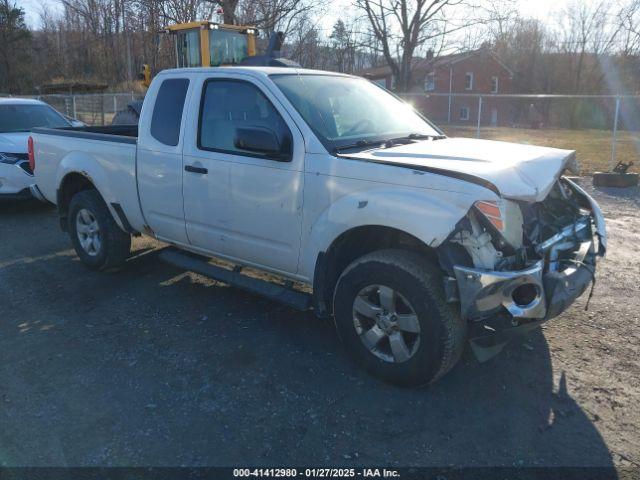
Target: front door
244, 204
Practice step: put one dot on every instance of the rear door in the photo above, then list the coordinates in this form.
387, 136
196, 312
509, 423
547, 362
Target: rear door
159, 159
241, 204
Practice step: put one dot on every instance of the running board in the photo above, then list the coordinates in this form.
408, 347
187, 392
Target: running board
197, 264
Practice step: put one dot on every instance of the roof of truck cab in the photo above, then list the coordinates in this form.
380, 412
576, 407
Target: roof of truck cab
255, 71
19, 101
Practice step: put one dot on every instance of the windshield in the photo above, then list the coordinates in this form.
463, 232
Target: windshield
346, 111
22, 118
226, 47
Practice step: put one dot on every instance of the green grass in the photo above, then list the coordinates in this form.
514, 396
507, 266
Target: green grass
593, 147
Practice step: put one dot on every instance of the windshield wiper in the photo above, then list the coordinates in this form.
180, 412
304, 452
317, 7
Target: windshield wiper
413, 136
359, 144
390, 142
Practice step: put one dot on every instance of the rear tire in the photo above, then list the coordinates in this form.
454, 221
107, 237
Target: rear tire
97, 239
391, 313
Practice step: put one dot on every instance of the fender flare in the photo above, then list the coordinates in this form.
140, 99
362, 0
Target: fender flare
428, 218
75, 163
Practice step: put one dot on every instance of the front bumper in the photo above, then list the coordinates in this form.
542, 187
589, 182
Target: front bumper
14, 181
485, 296
23, 194
502, 305
484, 293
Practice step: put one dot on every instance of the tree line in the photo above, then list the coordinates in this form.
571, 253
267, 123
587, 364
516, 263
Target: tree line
590, 47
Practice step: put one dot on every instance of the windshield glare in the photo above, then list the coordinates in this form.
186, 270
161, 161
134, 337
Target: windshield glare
22, 118
343, 111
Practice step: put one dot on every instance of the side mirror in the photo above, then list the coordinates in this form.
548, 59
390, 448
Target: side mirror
261, 140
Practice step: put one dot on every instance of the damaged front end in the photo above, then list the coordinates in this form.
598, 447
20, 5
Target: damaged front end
514, 265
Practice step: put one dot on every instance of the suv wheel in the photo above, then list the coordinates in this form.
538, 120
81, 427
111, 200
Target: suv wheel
391, 313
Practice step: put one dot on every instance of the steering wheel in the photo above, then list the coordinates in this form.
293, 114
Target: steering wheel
359, 127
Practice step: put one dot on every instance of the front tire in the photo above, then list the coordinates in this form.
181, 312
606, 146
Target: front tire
391, 313
97, 239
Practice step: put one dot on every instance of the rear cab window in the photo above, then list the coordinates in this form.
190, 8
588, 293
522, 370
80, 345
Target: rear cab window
167, 111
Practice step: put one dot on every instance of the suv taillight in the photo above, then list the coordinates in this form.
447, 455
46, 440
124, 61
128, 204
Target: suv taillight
32, 156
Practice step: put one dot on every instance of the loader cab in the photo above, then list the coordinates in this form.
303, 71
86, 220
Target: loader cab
205, 44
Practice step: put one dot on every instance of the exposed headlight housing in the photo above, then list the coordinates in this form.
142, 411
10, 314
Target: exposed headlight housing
506, 217
492, 212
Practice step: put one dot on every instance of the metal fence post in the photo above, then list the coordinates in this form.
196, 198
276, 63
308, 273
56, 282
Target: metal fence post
73, 103
614, 140
115, 103
479, 115
102, 109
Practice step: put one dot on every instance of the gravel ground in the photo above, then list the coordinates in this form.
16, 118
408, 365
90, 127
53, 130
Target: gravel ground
154, 366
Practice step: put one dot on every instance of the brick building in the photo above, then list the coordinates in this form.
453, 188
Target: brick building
441, 78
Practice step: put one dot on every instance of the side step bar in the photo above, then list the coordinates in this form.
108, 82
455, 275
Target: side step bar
198, 264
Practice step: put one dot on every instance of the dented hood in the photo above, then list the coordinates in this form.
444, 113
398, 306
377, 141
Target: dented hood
515, 171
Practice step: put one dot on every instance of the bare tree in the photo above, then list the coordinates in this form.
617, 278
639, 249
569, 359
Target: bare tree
629, 20
590, 35
343, 44
402, 27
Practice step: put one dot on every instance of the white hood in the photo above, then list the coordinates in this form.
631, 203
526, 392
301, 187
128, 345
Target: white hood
14, 142
519, 172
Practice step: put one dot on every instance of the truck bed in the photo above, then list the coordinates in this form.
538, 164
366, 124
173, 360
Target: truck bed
109, 133
106, 156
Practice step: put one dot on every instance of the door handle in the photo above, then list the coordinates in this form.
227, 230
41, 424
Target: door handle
192, 169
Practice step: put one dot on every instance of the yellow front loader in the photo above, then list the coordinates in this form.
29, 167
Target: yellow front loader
208, 44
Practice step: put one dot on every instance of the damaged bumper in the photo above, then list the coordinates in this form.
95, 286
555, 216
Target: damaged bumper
502, 305
530, 296
525, 294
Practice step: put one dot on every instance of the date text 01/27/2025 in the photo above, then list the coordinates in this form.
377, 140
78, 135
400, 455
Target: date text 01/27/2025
316, 472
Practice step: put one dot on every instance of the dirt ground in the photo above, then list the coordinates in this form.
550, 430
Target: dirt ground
154, 366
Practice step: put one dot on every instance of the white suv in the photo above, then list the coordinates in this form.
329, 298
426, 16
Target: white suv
17, 118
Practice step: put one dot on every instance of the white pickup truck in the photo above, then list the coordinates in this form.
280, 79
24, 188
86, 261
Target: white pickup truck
413, 242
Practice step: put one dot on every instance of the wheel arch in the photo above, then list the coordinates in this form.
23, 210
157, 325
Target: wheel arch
351, 245
75, 182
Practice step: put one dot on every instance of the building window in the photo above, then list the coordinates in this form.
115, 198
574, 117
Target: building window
464, 113
494, 84
468, 81
430, 82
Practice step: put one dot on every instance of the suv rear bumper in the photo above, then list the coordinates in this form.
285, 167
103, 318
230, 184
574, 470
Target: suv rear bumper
23, 194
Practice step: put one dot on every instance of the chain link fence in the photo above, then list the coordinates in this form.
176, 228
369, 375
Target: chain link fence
603, 129
92, 109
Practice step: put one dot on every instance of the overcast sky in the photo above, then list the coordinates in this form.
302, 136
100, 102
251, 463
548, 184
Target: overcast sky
542, 9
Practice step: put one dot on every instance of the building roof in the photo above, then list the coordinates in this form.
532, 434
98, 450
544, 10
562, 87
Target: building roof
73, 87
419, 63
